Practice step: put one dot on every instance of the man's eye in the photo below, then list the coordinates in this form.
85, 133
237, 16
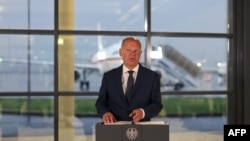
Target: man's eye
129, 50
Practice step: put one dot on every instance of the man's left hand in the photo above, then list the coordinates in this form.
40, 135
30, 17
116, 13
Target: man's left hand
137, 115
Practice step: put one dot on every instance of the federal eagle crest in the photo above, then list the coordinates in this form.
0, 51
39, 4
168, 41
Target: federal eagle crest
131, 133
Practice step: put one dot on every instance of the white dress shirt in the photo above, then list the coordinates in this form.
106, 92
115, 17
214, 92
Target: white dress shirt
125, 75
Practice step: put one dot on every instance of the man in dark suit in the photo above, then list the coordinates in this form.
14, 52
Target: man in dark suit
144, 99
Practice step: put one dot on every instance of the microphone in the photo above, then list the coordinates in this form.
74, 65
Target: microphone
132, 122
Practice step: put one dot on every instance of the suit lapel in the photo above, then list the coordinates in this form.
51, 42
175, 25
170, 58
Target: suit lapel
118, 80
139, 78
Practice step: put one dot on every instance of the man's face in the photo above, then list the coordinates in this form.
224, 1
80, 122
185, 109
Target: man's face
130, 53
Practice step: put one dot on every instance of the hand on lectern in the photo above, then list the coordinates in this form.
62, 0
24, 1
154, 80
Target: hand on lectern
136, 115
108, 118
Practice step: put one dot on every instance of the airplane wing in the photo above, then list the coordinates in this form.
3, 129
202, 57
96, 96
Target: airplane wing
49, 63
87, 66
22, 61
81, 70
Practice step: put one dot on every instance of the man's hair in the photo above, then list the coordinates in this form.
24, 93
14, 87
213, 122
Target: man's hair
131, 38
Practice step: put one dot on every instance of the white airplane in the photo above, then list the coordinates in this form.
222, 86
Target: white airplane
107, 58
104, 60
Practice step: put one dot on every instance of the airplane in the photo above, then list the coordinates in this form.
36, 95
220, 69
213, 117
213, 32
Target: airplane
107, 58
103, 60
164, 60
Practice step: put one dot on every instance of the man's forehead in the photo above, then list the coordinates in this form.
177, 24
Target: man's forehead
132, 44
134, 47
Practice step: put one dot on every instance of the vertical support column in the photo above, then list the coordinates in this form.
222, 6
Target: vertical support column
246, 62
66, 71
147, 28
239, 91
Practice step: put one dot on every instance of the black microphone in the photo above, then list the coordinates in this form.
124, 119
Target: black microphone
132, 122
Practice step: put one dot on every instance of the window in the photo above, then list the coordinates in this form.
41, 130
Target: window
52, 72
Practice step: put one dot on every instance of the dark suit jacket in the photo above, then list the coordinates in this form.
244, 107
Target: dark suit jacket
145, 94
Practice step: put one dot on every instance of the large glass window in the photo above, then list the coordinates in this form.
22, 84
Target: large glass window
26, 14
111, 15
34, 120
190, 63
13, 50
94, 55
26, 63
189, 16
52, 73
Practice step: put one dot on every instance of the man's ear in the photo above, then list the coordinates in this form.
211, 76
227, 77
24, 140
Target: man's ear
120, 52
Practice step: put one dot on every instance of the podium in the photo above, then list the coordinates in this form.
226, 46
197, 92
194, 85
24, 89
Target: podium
125, 131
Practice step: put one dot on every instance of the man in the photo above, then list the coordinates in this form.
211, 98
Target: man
144, 99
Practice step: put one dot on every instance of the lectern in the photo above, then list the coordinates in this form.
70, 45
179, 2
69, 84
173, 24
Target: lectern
125, 131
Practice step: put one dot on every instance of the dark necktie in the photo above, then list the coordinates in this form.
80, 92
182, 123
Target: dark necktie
130, 82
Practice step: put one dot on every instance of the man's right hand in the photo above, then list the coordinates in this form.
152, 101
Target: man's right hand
108, 118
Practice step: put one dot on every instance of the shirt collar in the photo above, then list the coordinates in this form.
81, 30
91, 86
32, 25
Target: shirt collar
135, 69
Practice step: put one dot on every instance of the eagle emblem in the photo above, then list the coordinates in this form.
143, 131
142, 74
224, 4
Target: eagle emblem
131, 133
